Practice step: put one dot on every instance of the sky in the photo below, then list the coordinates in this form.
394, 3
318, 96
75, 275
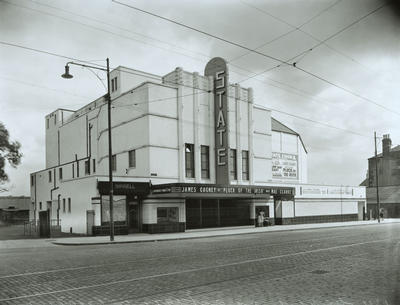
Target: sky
328, 69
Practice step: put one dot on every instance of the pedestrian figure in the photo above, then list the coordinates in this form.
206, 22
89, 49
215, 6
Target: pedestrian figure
260, 219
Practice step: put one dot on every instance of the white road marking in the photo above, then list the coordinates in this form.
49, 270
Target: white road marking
191, 270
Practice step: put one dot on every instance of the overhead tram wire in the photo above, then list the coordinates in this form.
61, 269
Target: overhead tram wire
294, 28
94, 27
79, 60
130, 72
266, 55
298, 28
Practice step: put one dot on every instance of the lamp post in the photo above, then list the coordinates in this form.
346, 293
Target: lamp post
67, 75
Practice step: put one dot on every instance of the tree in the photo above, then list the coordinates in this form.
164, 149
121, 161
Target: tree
9, 152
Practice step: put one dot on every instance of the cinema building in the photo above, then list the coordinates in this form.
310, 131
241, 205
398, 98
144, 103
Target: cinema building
189, 151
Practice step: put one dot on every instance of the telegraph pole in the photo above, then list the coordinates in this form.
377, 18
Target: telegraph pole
378, 206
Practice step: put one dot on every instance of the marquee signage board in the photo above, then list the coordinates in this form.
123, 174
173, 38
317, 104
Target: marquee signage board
218, 69
220, 189
124, 188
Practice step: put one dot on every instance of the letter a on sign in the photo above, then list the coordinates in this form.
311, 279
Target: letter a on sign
218, 69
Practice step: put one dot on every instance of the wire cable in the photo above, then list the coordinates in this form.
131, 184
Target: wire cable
271, 57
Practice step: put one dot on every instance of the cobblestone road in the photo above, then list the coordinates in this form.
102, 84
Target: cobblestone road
348, 265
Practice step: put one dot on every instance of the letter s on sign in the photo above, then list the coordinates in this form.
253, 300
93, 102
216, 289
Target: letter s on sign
220, 76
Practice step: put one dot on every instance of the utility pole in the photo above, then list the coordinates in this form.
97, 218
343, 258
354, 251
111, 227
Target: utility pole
377, 181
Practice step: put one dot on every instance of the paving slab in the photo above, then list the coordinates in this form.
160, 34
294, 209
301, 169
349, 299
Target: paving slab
204, 233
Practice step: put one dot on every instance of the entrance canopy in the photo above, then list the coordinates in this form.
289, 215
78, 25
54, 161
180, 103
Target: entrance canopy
219, 191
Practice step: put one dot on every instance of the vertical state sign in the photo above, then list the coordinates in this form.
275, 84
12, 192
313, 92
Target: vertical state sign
218, 69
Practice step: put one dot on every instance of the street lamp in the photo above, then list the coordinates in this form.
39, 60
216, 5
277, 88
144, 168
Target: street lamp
67, 75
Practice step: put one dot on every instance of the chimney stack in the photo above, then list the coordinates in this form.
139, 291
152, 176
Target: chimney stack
386, 145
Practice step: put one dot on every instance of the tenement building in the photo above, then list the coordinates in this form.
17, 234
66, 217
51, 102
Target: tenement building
189, 151
387, 179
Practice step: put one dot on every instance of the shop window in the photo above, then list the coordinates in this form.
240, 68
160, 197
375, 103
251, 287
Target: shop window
49, 176
94, 166
189, 160
167, 215
87, 167
60, 173
232, 164
114, 163
69, 205
245, 165
63, 205
132, 158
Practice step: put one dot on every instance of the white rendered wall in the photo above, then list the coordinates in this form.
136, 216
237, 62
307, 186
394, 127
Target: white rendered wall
261, 145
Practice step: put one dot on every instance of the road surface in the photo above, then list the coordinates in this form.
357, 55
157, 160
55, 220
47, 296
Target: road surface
346, 265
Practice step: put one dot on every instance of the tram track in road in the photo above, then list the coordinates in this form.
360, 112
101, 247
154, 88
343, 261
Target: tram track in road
198, 252
207, 269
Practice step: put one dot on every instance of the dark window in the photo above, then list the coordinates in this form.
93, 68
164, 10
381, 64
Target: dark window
205, 162
232, 164
132, 158
32, 180
55, 119
77, 168
40, 205
63, 205
114, 84
245, 165
87, 167
60, 173
49, 176
169, 214
47, 123
114, 163
73, 170
189, 160
69, 205
94, 166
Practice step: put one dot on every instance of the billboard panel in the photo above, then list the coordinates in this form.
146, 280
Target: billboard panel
284, 166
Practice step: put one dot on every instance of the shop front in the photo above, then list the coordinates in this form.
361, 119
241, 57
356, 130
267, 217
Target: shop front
208, 205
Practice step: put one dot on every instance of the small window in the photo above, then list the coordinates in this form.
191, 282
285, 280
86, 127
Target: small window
245, 165
77, 169
73, 170
132, 158
49, 176
69, 205
94, 166
114, 84
87, 167
189, 160
205, 162
63, 205
32, 180
55, 119
232, 164
40, 205
60, 173
114, 163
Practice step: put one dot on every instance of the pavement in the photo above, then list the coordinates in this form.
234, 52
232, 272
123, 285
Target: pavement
204, 233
